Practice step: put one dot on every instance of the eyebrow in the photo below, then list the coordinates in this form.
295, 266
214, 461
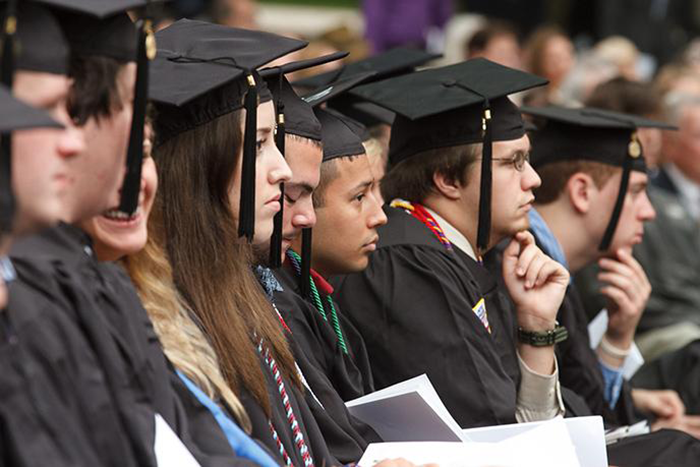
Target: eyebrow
364, 185
304, 186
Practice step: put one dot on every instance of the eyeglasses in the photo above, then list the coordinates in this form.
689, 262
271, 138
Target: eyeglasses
518, 160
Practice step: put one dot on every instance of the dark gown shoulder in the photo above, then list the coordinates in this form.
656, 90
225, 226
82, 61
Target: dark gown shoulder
106, 307
413, 306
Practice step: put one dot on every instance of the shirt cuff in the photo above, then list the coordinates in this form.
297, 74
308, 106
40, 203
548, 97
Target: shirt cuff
539, 396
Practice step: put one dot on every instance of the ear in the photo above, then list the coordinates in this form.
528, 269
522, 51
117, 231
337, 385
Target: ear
580, 191
450, 189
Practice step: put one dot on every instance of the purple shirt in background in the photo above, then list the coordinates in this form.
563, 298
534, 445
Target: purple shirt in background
392, 23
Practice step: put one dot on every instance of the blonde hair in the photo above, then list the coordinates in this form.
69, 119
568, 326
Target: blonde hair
184, 343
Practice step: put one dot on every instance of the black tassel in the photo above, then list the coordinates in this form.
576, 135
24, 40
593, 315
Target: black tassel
131, 187
7, 69
275, 260
246, 221
484, 227
305, 276
617, 210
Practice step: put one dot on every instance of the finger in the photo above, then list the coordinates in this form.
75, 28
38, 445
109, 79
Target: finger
621, 282
616, 295
549, 270
611, 265
630, 261
510, 258
533, 270
527, 254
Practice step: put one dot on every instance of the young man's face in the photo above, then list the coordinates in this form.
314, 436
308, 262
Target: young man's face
346, 224
512, 196
99, 170
304, 158
41, 179
636, 210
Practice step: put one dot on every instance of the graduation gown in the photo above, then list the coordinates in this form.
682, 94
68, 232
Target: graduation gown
41, 416
413, 306
104, 304
326, 368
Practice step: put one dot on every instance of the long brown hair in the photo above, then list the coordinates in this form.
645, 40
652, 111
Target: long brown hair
211, 267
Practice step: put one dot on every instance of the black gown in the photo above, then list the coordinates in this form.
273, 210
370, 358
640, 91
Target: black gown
41, 416
105, 306
331, 374
413, 306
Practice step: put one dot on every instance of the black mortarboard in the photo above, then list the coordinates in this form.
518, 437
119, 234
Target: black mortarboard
592, 135
368, 113
390, 63
203, 71
37, 40
342, 136
16, 115
459, 104
296, 117
337, 88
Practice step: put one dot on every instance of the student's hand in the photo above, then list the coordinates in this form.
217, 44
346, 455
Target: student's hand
399, 463
536, 283
687, 423
627, 290
663, 404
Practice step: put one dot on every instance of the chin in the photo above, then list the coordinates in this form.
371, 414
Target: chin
262, 236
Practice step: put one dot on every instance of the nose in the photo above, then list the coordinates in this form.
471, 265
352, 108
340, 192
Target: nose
280, 171
71, 141
305, 216
377, 216
530, 180
647, 213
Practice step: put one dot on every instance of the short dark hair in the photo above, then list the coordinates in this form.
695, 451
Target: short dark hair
412, 179
631, 97
94, 92
329, 172
555, 176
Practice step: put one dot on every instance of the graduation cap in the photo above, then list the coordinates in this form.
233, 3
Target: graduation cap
203, 71
390, 63
595, 135
465, 103
16, 115
296, 117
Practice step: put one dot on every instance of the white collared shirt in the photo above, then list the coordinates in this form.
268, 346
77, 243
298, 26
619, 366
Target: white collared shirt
453, 235
688, 190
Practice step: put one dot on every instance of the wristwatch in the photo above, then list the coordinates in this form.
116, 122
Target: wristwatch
543, 338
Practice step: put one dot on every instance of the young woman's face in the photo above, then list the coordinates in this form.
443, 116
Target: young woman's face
271, 171
116, 236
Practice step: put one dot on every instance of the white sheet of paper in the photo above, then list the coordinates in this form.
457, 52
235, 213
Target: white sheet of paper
547, 445
586, 433
169, 449
408, 411
596, 329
